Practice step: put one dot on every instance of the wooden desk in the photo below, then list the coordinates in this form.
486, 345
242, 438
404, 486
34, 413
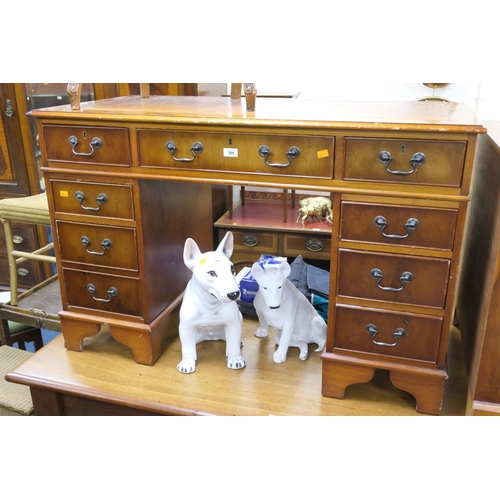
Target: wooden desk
478, 302
129, 179
104, 380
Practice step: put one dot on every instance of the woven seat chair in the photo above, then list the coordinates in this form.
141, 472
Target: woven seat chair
15, 399
29, 210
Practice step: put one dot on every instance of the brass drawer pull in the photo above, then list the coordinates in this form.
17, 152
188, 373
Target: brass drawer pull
22, 271
398, 333
249, 240
381, 222
292, 154
196, 149
9, 112
112, 292
95, 143
315, 245
101, 199
405, 278
105, 245
416, 160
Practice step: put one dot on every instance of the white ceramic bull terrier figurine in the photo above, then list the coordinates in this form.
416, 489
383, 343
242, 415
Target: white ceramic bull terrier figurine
279, 304
209, 310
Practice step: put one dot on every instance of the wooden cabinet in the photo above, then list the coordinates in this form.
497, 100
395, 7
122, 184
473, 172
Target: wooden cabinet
396, 262
266, 223
18, 177
398, 176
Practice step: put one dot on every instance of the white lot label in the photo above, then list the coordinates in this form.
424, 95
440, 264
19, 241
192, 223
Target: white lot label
231, 152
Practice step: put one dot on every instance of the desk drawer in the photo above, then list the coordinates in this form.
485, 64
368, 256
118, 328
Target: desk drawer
393, 278
397, 225
310, 246
98, 245
308, 156
384, 333
93, 199
95, 145
254, 241
29, 273
405, 161
103, 292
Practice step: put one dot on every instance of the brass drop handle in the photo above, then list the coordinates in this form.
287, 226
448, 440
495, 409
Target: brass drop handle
314, 245
95, 143
405, 278
399, 333
112, 292
292, 154
9, 112
410, 225
105, 245
196, 149
416, 160
101, 199
249, 240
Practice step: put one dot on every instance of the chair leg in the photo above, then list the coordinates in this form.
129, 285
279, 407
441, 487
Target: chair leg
5, 334
29, 334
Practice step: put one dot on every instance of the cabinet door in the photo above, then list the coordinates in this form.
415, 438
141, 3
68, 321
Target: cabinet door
13, 172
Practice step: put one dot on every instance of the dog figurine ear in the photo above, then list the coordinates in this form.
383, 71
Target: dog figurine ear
191, 254
285, 269
256, 270
226, 245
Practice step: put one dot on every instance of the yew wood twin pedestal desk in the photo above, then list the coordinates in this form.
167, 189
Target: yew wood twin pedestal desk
129, 179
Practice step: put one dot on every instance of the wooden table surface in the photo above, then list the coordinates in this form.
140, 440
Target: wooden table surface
105, 371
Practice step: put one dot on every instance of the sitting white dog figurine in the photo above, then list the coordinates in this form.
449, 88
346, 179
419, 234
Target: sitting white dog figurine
279, 304
209, 310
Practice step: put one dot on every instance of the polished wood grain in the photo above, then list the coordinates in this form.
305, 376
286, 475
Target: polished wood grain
427, 288
436, 227
444, 161
420, 343
104, 380
283, 113
152, 152
118, 205
114, 151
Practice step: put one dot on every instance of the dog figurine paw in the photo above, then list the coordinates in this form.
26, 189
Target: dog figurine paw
279, 304
209, 310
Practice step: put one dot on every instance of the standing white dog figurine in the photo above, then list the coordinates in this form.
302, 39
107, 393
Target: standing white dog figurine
209, 310
279, 304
